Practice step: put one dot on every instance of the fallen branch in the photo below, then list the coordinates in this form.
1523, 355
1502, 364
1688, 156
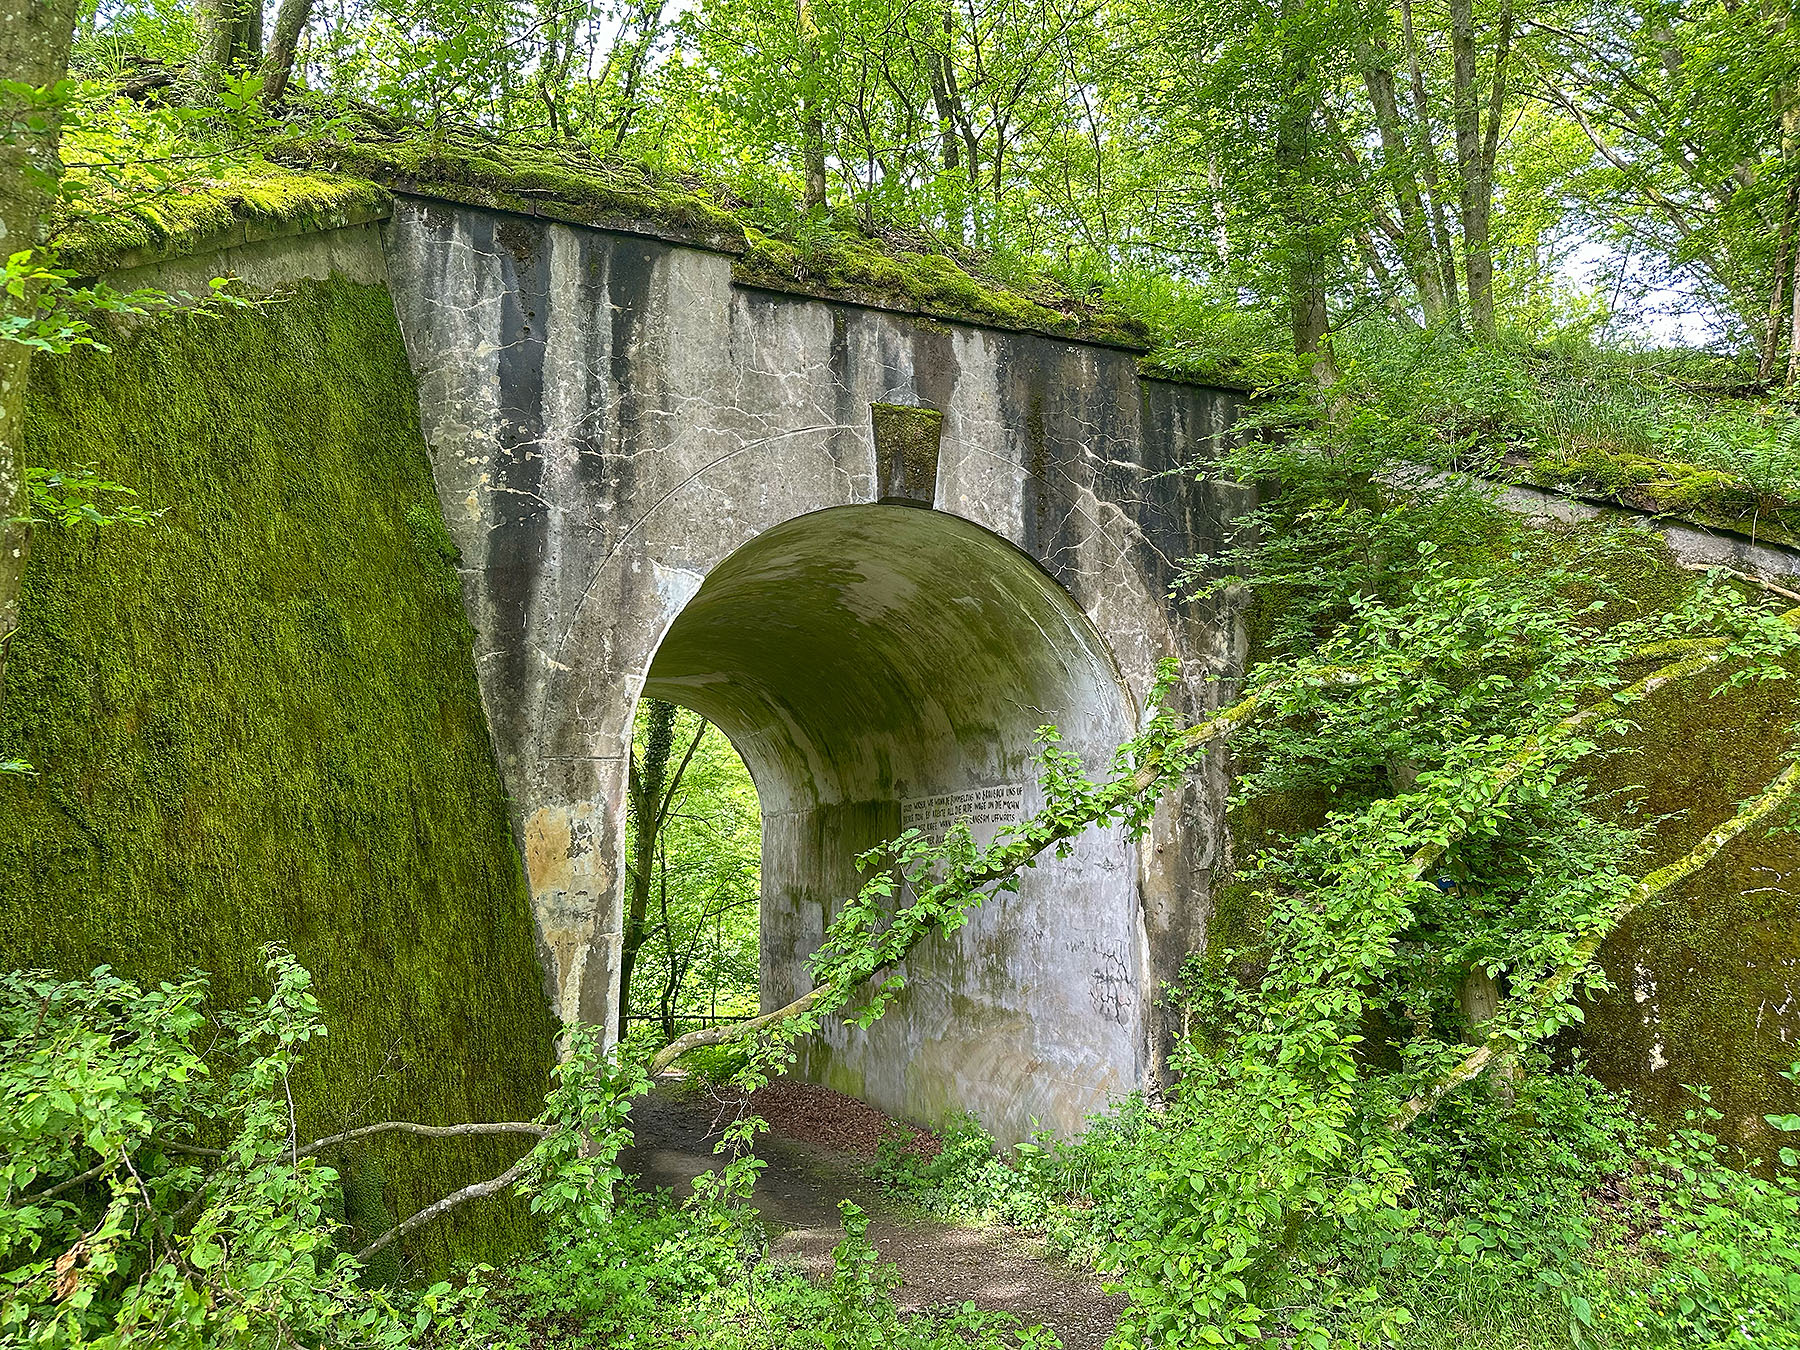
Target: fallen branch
1749, 578
431, 1131
1561, 982
449, 1202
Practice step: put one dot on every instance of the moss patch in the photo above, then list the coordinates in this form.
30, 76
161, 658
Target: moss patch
838, 261
257, 720
1704, 981
264, 203
1660, 486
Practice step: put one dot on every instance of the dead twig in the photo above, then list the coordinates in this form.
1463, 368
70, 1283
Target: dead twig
449, 1202
430, 1131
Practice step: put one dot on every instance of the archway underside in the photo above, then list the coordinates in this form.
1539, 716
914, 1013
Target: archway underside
868, 662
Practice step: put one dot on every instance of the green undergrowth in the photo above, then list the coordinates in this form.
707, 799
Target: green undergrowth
661, 1274
1552, 1218
255, 719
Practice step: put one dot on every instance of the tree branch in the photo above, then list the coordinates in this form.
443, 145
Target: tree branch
444, 1206
431, 1131
1148, 774
1761, 582
1562, 981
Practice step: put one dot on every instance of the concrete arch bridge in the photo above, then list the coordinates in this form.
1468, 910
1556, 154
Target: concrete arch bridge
878, 551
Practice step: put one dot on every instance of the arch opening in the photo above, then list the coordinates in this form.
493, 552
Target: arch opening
880, 666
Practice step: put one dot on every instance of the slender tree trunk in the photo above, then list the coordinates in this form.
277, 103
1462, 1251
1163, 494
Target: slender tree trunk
553, 64
671, 985
278, 65
1397, 159
230, 36
648, 26
34, 51
1787, 255
646, 788
1793, 366
1428, 167
1475, 155
812, 124
949, 151
1778, 288
1295, 154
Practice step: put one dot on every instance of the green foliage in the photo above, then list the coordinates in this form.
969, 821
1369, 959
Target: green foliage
154, 1189
699, 958
258, 720
1724, 1245
660, 1275
969, 1178
572, 1171
71, 497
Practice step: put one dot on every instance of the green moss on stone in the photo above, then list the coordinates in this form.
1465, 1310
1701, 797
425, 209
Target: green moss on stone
262, 203
257, 720
845, 264
557, 183
1666, 487
565, 183
1705, 980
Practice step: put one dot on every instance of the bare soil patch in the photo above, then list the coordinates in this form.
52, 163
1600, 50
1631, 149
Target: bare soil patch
817, 1150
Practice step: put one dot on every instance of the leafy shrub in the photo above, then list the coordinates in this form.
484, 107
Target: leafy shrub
1723, 1247
155, 1192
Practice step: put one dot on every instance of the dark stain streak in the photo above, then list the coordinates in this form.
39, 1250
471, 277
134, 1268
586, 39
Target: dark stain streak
517, 541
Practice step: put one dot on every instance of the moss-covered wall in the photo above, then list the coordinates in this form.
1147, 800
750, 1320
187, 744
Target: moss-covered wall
1707, 980
257, 720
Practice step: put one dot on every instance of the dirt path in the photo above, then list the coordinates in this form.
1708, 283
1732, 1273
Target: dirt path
940, 1263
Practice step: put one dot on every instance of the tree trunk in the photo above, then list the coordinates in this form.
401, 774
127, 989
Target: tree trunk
278, 64
231, 33
671, 985
34, 51
1308, 311
1397, 158
1428, 167
553, 63
1479, 998
1475, 155
1778, 287
1787, 256
1793, 366
646, 789
812, 124
948, 149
